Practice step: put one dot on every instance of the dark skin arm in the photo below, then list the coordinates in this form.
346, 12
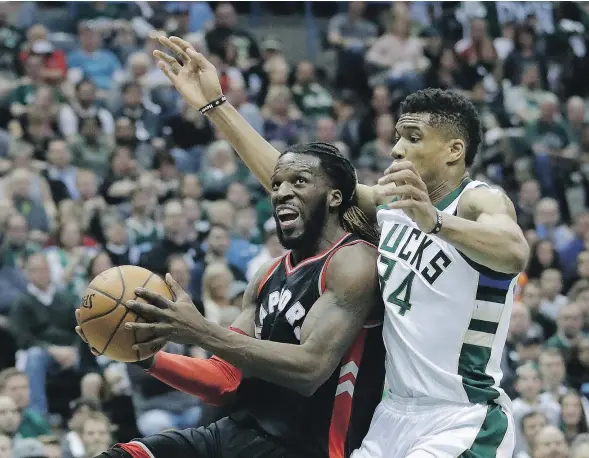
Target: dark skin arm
485, 227
328, 331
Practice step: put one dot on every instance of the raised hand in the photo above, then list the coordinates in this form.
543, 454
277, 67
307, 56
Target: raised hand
194, 77
401, 181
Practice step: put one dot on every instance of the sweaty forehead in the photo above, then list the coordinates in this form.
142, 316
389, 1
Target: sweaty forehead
297, 163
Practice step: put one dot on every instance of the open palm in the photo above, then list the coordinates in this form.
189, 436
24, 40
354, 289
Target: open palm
189, 71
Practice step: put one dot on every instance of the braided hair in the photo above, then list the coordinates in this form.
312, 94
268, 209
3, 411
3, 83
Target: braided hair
342, 176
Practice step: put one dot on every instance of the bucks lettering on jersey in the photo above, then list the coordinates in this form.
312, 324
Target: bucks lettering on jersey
446, 317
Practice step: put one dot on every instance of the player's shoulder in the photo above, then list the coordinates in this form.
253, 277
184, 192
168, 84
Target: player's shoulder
354, 261
480, 199
265, 270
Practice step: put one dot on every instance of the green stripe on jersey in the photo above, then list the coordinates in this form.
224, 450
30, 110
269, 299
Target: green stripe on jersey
483, 326
472, 363
490, 294
446, 201
490, 435
385, 206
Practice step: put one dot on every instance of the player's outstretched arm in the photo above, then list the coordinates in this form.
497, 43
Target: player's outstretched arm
198, 83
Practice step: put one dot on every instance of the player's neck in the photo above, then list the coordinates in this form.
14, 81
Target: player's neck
442, 188
330, 235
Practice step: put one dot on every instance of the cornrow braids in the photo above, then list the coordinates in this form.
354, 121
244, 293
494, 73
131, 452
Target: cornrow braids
342, 175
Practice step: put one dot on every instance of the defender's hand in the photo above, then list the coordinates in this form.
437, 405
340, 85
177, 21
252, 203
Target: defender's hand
177, 321
402, 181
189, 71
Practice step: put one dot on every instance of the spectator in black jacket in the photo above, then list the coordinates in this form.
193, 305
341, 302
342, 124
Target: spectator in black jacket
175, 241
45, 321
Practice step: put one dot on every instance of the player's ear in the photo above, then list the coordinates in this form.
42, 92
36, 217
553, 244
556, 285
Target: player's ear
456, 150
334, 198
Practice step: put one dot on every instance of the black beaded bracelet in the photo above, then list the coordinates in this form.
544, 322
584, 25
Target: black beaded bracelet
439, 221
214, 104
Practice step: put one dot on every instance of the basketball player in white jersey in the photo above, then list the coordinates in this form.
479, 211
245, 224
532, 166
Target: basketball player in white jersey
450, 251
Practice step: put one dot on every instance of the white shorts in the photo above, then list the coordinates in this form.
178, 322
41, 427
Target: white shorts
425, 428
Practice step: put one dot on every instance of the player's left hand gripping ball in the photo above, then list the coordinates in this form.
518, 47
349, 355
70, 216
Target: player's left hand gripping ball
401, 181
169, 321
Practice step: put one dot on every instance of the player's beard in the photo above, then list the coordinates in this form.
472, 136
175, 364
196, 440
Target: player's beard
314, 224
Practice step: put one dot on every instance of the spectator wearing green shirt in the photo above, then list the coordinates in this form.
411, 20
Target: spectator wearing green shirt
92, 149
15, 385
311, 98
549, 133
570, 324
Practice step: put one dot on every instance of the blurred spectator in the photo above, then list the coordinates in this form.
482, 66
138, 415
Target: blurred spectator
525, 53
380, 104
15, 384
400, 55
532, 423
569, 328
37, 43
220, 168
9, 416
543, 256
174, 241
96, 433
270, 250
578, 366
532, 299
376, 155
45, 320
574, 415
225, 29
529, 387
351, 35
91, 60
551, 286
309, 96
216, 281
282, 120
60, 173
523, 101
84, 105
570, 252
549, 226
553, 373
92, 148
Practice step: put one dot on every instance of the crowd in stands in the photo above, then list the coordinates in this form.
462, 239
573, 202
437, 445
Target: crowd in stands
103, 164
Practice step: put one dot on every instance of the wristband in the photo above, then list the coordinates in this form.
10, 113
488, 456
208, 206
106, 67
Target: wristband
214, 104
439, 222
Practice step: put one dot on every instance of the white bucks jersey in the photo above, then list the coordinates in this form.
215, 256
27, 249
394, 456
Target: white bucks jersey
446, 316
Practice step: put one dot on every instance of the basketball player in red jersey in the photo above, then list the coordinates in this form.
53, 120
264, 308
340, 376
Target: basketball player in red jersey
309, 337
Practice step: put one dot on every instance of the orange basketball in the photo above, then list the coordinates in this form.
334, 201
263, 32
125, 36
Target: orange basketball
103, 313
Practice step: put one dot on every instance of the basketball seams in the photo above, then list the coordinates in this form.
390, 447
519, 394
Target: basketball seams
103, 314
124, 287
151, 274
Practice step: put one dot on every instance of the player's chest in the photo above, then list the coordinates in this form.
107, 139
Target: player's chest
283, 306
410, 264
